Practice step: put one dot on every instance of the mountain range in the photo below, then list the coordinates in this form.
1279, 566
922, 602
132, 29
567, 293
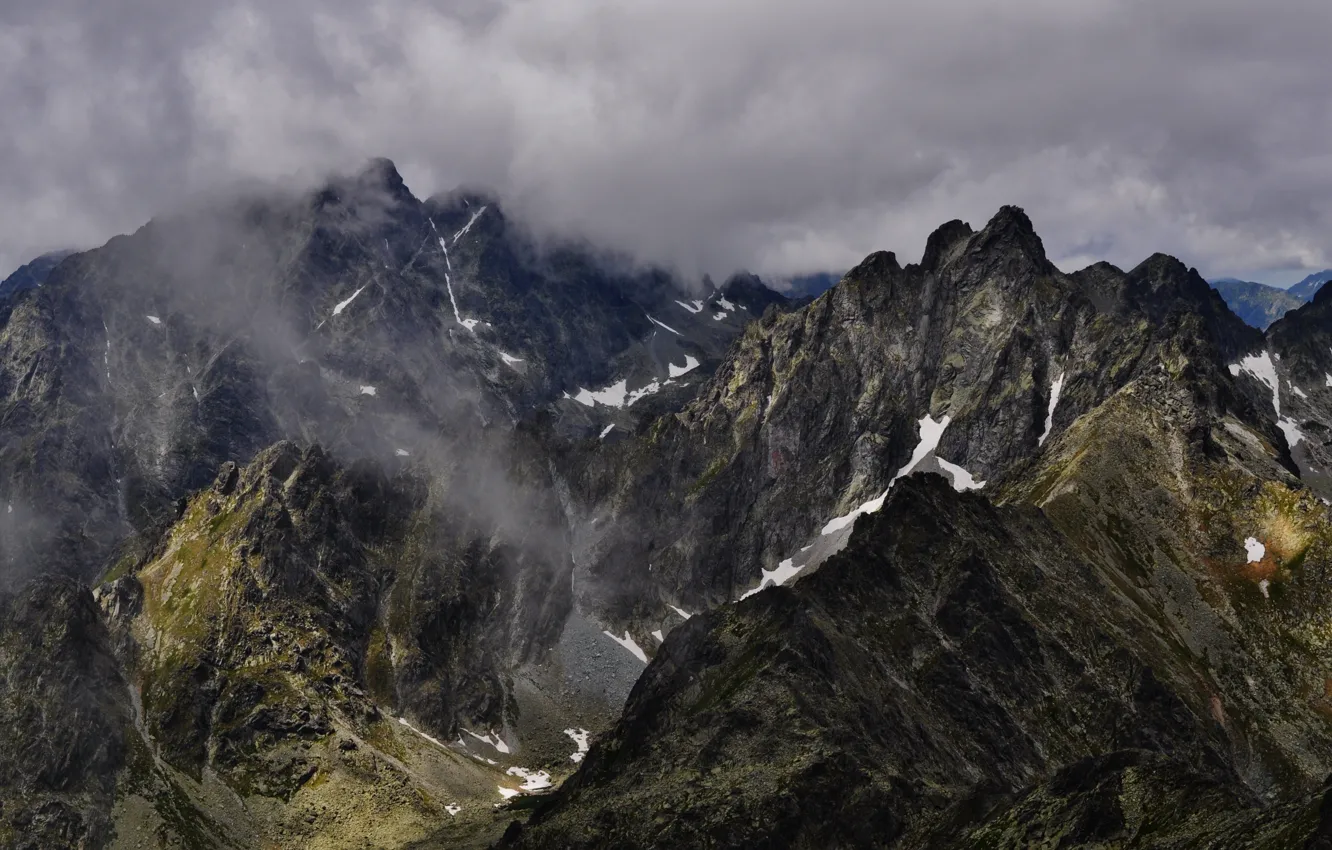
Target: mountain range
348, 519
32, 274
1308, 288
1260, 305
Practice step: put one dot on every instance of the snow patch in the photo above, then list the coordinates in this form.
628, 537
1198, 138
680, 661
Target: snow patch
962, 480
580, 738
784, 572
492, 739
617, 394
342, 305
648, 390
1299, 392
429, 738
468, 226
1262, 585
509, 358
930, 432
680, 611
676, 371
470, 324
606, 430
402, 453
153, 319
533, 780
612, 396
841, 522
1260, 366
443, 246
693, 306
1256, 550
1291, 429
720, 316
726, 305
658, 636
367, 390
628, 643
1056, 387
662, 325
452, 810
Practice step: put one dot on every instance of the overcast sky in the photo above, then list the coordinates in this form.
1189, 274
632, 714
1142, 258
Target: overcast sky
774, 135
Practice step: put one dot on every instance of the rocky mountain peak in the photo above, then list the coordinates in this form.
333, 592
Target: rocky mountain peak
32, 274
1161, 286
876, 266
1164, 273
374, 192
941, 241
380, 171
422, 542
1162, 280
1011, 233
750, 292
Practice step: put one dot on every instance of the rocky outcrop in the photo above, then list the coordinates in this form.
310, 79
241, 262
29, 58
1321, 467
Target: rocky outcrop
305, 628
1177, 560
64, 719
962, 675
31, 274
356, 316
817, 411
1289, 375
388, 529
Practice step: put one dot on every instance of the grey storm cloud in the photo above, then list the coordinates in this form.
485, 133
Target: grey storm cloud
773, 135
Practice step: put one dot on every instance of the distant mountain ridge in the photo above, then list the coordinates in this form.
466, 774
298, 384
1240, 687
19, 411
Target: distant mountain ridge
1261, 304
1306, 289
32, 274
356, 519
1258, 304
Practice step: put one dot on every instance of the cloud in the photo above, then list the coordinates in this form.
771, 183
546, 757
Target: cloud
779, 136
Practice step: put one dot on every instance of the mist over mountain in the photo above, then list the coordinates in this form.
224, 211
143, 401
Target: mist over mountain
677, 132
337, 517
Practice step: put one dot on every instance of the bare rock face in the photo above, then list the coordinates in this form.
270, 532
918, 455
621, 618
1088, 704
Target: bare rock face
818, 410
962, 675
1297, 388
303, 445
356, 316
64, 717
390, 514
925, 686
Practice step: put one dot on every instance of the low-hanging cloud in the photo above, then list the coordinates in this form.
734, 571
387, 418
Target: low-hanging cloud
778, 136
